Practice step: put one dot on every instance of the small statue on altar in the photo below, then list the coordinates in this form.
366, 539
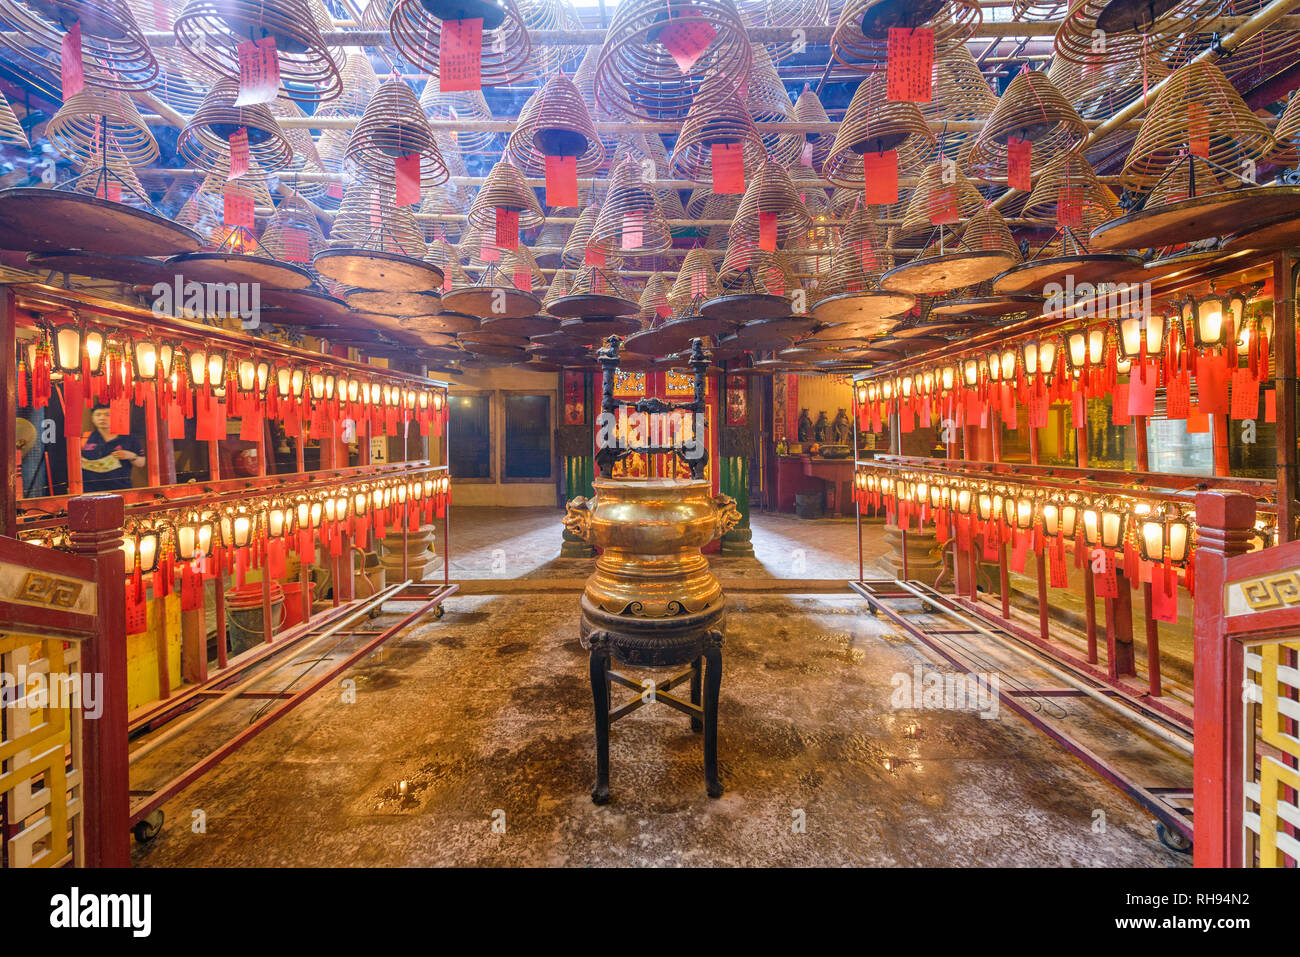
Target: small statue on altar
805, 427
841, 429
821, 429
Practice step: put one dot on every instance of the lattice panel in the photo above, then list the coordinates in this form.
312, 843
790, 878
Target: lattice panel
40, 756
1272, 771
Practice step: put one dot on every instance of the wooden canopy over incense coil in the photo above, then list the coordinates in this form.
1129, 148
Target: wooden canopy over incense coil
697, 281
11, 131
1069, 176
636, 76
115, 54
559, 287
654, 300
505, 188
715, 120
369, 218
771, 191
860, 259
1131, 32
785, 13
505, 46
1100, 86
469, 105
809, 109
1030, 109
923, 199
630, 211
83, 120
211, 31
555, 122
359, 84
959, 93
291, 215
953, 22
305, 159
767, 101
874, 124
447, 258
205, 140
394, 126
1235, 133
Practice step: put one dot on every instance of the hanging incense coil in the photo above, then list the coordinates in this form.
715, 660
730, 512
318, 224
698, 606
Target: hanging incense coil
1286, 134
574, 253
598, 281
925, 198
960, 94
873, 124
636, 75
306, 159
771, 192
98, 172
1168, 29
860, 259
447, 258
78, 128
809, 109
359, 84
643, 147
1234, 134
550, 16
182, 81
211, 31
670, 202
369, 218
767, 101
293, 219
861, 37
504, 48
205, 140
204, 212
653, 300
506, 188
584, 79
746, 268
515, 264
697, 282
115, 54
630, 221
555, 122
446, 202
1030, 109
394, 126
1270, 50
795, 14
1070, 178
469, 106
718, 119
987, 231
1099, 86
559, 287
331, 146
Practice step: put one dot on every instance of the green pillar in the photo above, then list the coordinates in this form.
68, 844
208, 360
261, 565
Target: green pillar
578, 454
733, 480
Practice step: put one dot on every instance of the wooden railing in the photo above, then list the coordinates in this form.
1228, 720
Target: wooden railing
64, 795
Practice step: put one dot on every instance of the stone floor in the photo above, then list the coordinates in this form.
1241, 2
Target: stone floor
486, 717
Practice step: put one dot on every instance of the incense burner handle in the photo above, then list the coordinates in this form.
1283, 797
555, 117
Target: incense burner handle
728, 514
577, 518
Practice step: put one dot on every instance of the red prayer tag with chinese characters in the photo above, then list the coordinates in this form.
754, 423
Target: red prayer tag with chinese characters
1245, 395
686, 40
297, 248
767, 231
1198, 129
1178, 397
259, 71
237, 209
1069, 208
238, 154
880, 178
633, 231
943, 206
592, 256
407, 171
72, 72
910, 64
728, 168
507, 228
1018, 162
561, 181
460, 56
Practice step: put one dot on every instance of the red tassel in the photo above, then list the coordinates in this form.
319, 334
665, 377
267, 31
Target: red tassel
23, 400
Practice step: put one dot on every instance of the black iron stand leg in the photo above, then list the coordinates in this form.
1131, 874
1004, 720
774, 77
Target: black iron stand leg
712, 687
697, 724
599, 642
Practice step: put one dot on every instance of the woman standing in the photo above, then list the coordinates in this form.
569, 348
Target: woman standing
106, 459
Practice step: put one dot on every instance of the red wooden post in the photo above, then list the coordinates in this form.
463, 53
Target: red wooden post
1042, 555
95, 527
1284, 365
11, 488
1225, 522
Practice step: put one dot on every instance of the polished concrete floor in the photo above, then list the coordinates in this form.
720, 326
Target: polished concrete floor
469, 741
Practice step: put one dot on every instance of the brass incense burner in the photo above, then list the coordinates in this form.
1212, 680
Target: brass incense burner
653, 601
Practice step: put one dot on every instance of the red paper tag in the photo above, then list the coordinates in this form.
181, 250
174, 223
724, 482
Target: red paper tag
1197, 422
1142, 393
1270, 405
1178, 397
880, 178
73, 73
250, 426
910, 64
1164, 595
1057, 564
806, 155
767, 231
238, 154
119, 416
686, 40
1078, 410
238, 209
943, 206
191, 590
175, 421
1198, 129
407, 171
137, 614
109, 191
1119, 405
297, 245
1069, 208
699, 285
259, 71
1107, 583
593, 256
633, 231
1245, 395
1018, 161
728, 168
489, 253
507, 228
1212, 384
523, 281
460, 56
561, 181
1038, 406
334, 191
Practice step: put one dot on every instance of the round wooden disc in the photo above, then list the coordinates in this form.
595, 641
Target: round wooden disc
451, 323
394, 303
1199, 217
219, 267
307, 308
678, 363
372, 269
560, 341
1279, 234
845, 330
651, 343
846, 365
1033, 276
492, 302
480, 338
773, 333
1175, 263
50, 220
987, 306
590, 331
591, 305
939, 274
435, 353
911, 346
745, 307
635, 362
540, 365
482, 349
944, 328
133, 270
527, 326
874, 307
430, 339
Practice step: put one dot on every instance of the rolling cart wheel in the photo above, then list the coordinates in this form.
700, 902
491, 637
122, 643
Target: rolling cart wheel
148, 829
1173, 838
